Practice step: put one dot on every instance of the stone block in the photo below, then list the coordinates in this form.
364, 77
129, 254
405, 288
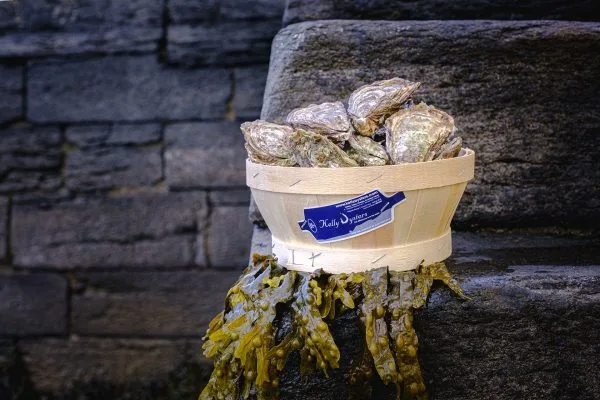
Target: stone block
249, 91
56, 365
179, 303
30, 159
3, 227
141, 231
46, 27
184, 11
108, 168
205, 154
234, 197
229, 236
505, 85
33, 304
233, 42
123, 88
11, 88
529, 330
312, 10
113, 135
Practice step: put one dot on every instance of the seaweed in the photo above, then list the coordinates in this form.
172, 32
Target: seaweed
241, 339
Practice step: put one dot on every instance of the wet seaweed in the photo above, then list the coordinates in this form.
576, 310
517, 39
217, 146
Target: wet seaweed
242, 342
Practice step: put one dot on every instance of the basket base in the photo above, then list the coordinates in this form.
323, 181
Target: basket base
399, 258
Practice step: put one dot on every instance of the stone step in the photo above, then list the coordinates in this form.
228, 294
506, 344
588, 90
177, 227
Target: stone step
525, 96
311, 10
530, 330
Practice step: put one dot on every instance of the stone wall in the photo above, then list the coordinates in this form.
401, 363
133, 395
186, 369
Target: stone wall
123, 207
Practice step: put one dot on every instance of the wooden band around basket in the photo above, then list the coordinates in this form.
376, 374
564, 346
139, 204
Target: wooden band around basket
355, 180
400, 258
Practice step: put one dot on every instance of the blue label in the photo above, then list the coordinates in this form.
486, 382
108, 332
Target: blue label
351, 217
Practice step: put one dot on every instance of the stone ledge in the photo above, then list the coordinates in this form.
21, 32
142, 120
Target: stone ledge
505, 85
528, 332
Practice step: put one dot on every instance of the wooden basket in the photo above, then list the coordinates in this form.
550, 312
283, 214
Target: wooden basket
419, 231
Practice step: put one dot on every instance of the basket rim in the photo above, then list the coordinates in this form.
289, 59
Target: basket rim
356, 180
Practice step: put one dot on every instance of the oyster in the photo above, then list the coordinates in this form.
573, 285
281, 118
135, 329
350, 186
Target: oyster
450, 149
366, 151
314, 150
370, 105
269, 143
327, 119
416, 134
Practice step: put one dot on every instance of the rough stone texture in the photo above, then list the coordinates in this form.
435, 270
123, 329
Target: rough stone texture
3, 227
185, 11
530, 330
123, 88
33, 304
47, 27
107, 168
233, 42
509, 86
178, 303
29, 158
55, 364
11, 86
311, 10
250, 89
142, 231
205, 155
229, 235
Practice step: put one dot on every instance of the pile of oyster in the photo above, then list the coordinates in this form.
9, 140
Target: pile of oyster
381, 126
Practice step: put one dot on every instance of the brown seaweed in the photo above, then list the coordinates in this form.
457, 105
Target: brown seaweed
327, 119
370, 105
248, 361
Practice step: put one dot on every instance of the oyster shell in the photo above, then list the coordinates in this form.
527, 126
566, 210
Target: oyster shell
450, 149
370, 105
314, 150
327, 119
269, 143
417, 133
366, 151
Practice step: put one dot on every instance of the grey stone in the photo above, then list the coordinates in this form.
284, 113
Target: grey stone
123, 88
254, 213
8, 15
234, 197
261, 241
135, 231
249, 91
235, 42
110, 135
34, 304
311, 10
229, 235
11, 88
3, 227
55, 365
205, 154
149, 303
30, 158
46, 27
108, 168
505, 85
184, 11
528, 332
